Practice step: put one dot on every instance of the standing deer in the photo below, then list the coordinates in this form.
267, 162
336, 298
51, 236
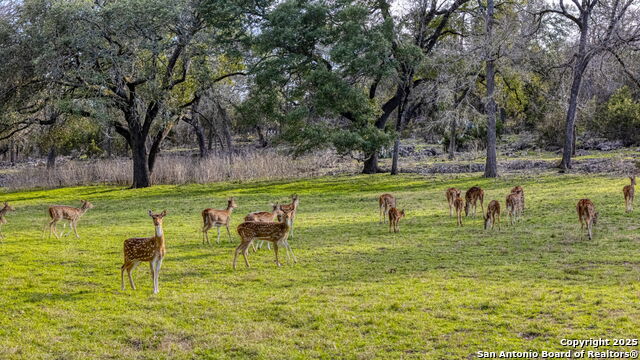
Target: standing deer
629, 193
151, 249
3, 212
217, 218
493, 215
587, 214
513, 206
394, 219
520, 192
292, 209
458, 204
277, 233
265, 216
63, 212
452, 194
472, 196
385, 202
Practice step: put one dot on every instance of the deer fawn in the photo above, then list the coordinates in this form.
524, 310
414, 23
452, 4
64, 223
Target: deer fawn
513, 205
3, 212
292, 209
150, 249
518, 190
394, 219
629, 193
587, 214
385, 202
217, 218
458, 204
62, 212
493, 215
277, 233
452, 194
472, 196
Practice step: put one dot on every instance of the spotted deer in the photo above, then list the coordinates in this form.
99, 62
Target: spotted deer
394, 219
151, 249
3, 212
518, 190
292, 209
513, 206
265, 216
72, 214
385, 202
629, 193
452, 194
472, 196
458, 204
276, 233
493, 215
217, 218
588, 215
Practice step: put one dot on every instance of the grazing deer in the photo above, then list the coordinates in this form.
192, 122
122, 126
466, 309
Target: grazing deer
277, 233
493, 215
513, 205
151, 249
587, 214
520, 192
292, 209
472, 196
62, 212
394, 219
458, 203
3, 212
217, 218
629, 193
452, 194
385, 202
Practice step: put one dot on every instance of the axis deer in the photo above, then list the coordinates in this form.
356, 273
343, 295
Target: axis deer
292, 209
513, 205
151, 249
72, 214
629, 192
3, 212
385, 202
472, 196
587, 214
277, 233
394, 219
265, 216
217, 218
493, 215
520, 192
452, 194
458, 204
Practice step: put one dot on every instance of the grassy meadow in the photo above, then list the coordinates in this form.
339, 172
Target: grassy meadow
432, 291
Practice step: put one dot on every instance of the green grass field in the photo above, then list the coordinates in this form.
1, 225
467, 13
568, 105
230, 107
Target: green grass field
432, 291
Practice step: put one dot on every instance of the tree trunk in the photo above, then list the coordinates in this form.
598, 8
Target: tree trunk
452, 140
396, 154
14, 153
491, 166
51, 157
371, 164
141, 175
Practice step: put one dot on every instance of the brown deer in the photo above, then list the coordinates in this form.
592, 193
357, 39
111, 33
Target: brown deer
276, 233
63, 212
458, 204
493, 215
3, 212
587, 214
151, 249
291, 209
385, 202
452, 194
513, 205
394, 219
472, 196
217, 218
520, 192
265, 216
629, 193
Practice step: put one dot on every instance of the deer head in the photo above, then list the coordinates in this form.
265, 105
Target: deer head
8, 207
231, 203
86, 205
157, 218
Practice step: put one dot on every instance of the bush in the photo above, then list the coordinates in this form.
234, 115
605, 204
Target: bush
619, 118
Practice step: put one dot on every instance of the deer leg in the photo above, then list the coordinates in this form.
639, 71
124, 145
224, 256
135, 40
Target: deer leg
74, 226
235, 256
129, 271
205, 233
275, 248
291, 227
228, 232
290, 249
156, 280
380, 221
124, 267
245, 253
218, 239
589, 226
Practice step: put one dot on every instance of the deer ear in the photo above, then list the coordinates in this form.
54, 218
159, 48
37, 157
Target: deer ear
164, 212
150, 213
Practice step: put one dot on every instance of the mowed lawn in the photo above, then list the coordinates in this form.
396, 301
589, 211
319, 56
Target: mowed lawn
432, 291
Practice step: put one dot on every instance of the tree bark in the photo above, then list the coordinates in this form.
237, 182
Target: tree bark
51, 157
141, 175
452, 140
491, 166
371, 164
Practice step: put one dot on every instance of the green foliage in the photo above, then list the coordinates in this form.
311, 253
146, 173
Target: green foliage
619, 117
432, 291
